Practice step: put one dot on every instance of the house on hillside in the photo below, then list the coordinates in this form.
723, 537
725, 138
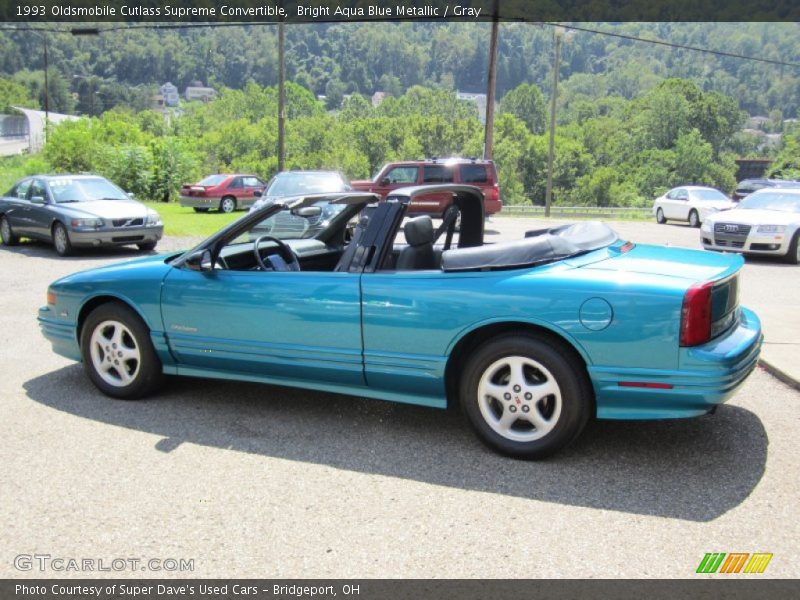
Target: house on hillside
26, 132
197, 91
479, 100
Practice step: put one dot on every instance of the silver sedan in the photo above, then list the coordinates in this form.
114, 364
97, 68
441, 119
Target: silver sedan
76, 210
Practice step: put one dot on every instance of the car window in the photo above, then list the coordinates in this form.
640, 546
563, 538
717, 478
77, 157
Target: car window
67, 189
235, 184
403, 175
37, 189
285, 225
672, 194
250, 181
782, 202
681, 195
708, 195
437, 174
212, 180
21, 191
474, 174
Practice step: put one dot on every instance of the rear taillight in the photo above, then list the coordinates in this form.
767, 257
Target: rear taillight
696, 314
495, 193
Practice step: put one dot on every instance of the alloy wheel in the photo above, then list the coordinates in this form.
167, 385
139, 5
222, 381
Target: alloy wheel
115, 354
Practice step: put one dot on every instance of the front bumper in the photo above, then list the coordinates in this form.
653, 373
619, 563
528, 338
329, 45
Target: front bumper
60, 333
119, 236
706, 376
775, 244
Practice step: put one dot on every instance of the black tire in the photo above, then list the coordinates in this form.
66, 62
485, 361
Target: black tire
694, 218
199, 209
145, 373
147, 246
7, 234
227, 204
61, 241
660, 218
793, 256
563, 414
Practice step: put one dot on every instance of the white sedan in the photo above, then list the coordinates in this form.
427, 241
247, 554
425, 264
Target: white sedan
766, 222
692, 203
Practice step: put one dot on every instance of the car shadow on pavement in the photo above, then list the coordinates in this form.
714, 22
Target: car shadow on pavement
695, 469
35, 249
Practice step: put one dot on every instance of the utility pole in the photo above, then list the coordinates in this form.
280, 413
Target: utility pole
491, 84
281, 97
46, 91
548, 195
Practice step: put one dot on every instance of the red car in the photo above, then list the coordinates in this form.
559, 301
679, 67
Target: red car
225, 193
394, 175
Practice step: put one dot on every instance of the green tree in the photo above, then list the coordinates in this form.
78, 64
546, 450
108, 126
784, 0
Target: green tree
526, 102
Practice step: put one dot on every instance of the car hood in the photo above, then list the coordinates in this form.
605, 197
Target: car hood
678, 263
106, 209
138, 269
718, 205
755, 217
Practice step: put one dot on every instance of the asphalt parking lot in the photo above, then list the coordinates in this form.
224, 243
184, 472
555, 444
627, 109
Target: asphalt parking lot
261, 481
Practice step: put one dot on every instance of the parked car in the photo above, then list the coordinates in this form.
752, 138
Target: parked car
766, 222
747, 186
395, 175
299, 183
532, 337
72, 211
690, 203
225, 193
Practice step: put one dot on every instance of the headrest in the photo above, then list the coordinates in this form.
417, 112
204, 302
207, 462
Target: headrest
419, 231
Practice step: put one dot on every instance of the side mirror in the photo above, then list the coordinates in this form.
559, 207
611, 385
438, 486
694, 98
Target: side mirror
200, 260
307, 211
385, 181
37, 199
258, 193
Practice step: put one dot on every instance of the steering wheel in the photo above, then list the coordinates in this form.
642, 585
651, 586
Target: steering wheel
285, 260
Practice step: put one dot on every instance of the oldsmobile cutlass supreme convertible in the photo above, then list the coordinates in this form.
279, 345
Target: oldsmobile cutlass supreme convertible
531, 337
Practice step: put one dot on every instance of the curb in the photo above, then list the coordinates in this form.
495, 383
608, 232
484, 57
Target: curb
779, 374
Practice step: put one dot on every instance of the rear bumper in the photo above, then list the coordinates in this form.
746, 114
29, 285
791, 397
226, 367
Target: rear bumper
199, 201
707, 376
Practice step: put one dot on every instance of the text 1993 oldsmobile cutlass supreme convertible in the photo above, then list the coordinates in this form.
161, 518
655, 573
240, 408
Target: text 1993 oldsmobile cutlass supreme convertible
532, 337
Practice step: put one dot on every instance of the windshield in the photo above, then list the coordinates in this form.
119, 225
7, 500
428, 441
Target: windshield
782, 202
285, 225
298, 184
212, 180
709, 195
84, 190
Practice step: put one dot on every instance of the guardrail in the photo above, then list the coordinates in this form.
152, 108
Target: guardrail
529, 210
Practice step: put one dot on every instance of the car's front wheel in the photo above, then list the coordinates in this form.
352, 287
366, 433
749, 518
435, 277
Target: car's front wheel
6, 233
793, 256
694, 218
61, 241
660, 218
227, 204
525, 395
118, 355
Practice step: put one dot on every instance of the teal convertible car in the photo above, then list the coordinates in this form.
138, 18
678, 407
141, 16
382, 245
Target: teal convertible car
532, 338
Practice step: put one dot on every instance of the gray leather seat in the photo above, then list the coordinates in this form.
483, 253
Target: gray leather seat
419, 253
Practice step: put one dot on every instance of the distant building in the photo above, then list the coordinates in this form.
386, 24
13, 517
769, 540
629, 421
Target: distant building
377, 98
169, 94
25, 133
479, 100
197, 91
756, 122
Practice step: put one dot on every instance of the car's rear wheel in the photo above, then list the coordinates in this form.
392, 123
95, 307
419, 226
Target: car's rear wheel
227, 204
147, 246
660, 218
118, 355
525, 395
200, 209
793, 256
694, 218
6, 233
61, 241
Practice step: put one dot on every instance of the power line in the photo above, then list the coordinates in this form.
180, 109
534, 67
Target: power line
634, 38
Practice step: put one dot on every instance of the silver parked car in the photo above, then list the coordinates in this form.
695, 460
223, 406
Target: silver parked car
691, 203
766, 222
76, 210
